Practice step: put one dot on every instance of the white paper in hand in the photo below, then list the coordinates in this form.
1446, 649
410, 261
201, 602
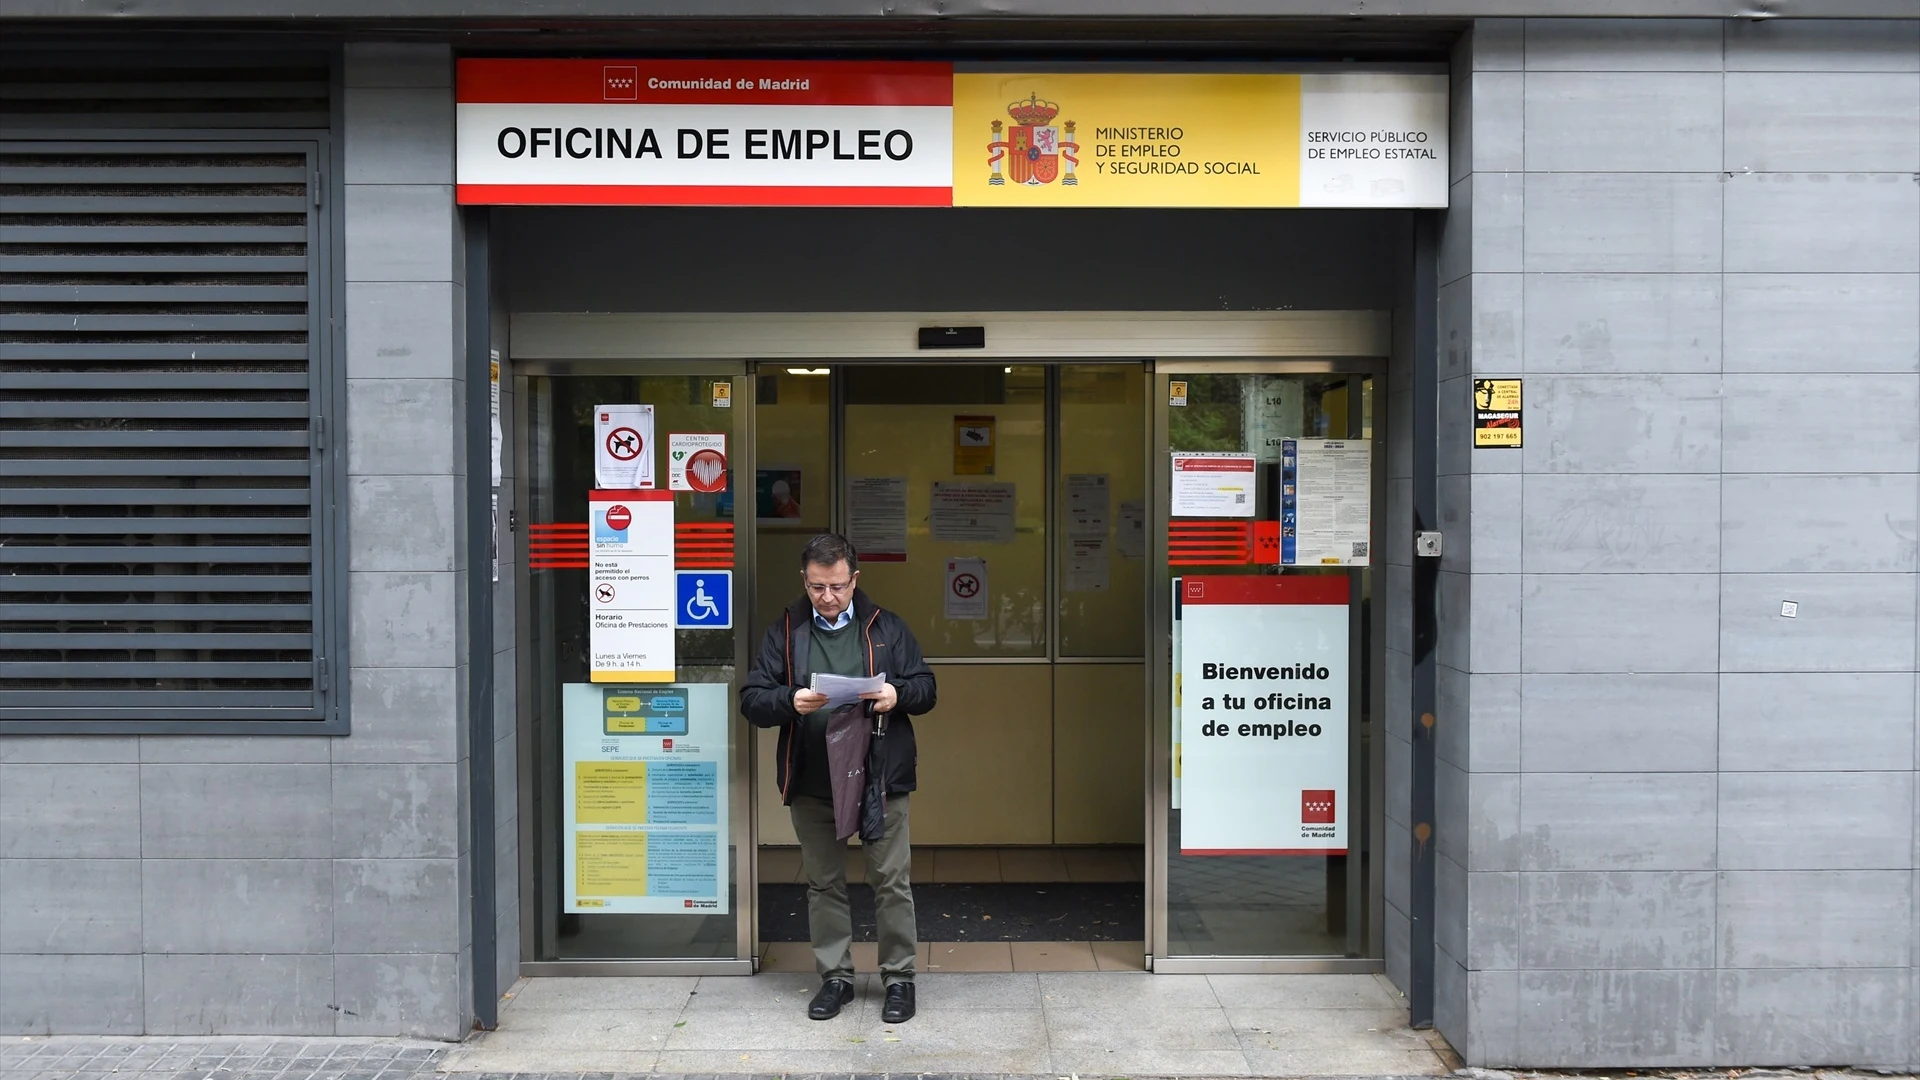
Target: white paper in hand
841, 690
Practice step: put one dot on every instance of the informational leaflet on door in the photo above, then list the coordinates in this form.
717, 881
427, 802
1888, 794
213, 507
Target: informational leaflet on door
697, 462
1089, 508
972, 513
644, 790
877, 517
631, 586
1213, 485
623, 446
1324, 508
1264, 677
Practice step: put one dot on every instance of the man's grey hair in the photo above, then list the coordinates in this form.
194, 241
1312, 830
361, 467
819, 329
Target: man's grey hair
827, 549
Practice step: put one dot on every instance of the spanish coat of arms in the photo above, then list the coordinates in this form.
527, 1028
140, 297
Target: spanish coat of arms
1032, 148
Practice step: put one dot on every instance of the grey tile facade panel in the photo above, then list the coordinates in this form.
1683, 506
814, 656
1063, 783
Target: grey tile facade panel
1815, 919
1862, 523
399, 135
398, 906
1498, 309
1815, 722
69, 749
1813, 1017
1816, 821
403, 620
1495, 535
1450, 999
400, 330
70, 995
1399, 621
1616, 921
1493, 920
402, 232
403, 715
1494, 833
1599, 1019
237, 906
1822, 122
1497, 127
1822, 323
1450, 909
234, 749
1620, 622
1619, 722
1612, 323
1844, 622
1619, 121
393, 64
1495, 242
402, 523
1456, 233
1493, 1018
1586, 523
1396, 931
1822, 45
1622, 423
1399, 522
1399, 846
1769, 430
1399, 695
1496, 45
414, 995
1623, 223
69, 811
235, 811
1623, 45
1495, 645
53, 906
258, 995
403, 427
1618, 821
1494, 723
1832, 223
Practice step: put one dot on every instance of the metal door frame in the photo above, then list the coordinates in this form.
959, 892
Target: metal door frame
742, 760
1366, 771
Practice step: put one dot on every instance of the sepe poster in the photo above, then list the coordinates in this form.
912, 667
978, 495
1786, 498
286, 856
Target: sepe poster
1264, 683
644, 790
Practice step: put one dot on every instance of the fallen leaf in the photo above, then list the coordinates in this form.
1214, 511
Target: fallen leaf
856, 1040
682, 1023
893, 1038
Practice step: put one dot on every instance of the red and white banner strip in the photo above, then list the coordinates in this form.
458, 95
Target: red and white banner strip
691, 132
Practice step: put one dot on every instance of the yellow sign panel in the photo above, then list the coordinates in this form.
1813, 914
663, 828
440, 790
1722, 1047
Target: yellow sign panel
609, 793
1126, 140
610, 864
1496, 413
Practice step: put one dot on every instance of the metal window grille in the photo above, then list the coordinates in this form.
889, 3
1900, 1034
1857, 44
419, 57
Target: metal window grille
167, 518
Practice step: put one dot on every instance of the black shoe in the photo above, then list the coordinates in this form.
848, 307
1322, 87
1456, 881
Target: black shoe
899, 1006
835, 995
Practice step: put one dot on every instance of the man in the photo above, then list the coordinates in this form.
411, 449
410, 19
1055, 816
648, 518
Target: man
834, 628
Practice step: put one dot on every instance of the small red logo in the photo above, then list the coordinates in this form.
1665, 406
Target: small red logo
686, 903
1316, 808
619, 517
622, 83
666, 744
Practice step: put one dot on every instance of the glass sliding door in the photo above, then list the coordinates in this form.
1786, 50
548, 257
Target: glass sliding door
1262, 658
639, 823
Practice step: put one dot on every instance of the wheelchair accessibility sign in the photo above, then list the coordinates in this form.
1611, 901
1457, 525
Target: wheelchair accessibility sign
704, 600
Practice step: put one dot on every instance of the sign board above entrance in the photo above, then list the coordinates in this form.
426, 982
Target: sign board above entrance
835, 133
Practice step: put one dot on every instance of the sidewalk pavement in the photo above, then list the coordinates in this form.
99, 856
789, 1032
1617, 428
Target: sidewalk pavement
1015, 1025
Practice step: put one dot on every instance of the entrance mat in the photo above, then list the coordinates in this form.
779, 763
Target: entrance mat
1104, 911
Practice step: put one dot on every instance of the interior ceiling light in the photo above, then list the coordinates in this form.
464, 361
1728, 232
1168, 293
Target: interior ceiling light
808, 370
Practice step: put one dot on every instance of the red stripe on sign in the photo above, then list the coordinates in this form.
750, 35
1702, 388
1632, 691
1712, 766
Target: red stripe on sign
1264, 589
1207, 542
630, 495
703, 82
1262, 851
691, 195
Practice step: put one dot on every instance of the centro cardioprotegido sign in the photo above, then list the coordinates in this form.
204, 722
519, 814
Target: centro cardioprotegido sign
885, 133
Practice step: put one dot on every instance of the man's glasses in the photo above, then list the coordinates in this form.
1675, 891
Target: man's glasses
822, 588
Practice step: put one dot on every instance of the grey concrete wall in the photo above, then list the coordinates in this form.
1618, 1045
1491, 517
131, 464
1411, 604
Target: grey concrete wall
1676, 827
304, 886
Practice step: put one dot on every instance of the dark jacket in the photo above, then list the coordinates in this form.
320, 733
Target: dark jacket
766, 698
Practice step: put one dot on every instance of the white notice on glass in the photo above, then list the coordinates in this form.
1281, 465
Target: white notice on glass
972, 513
623, 447
1087, 564
844, 690
1324, 487
1132, 538
966, 589
1088, 501
1213, 485
877, 517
